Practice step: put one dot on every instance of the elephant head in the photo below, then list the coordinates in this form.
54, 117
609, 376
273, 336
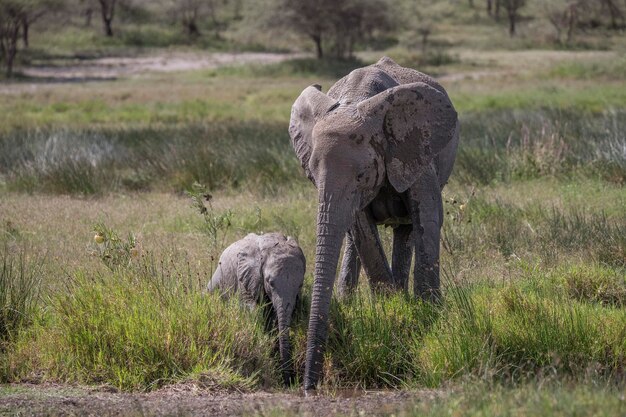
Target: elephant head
350, 150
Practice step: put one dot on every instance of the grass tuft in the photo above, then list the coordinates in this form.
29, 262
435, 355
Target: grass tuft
140, 329
20, 285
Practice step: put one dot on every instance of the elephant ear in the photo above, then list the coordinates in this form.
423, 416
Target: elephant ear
418, 121
309, 107
249, 275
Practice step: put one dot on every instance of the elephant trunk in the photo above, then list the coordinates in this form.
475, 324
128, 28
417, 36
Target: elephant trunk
283, 314
332, 224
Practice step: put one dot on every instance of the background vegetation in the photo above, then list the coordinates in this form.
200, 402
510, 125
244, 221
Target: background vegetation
534, 243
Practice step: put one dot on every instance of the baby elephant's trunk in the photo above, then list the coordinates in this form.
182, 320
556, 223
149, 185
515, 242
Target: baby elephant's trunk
283, 314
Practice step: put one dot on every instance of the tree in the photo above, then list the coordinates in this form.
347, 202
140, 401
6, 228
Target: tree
593, 13
614, 11
331, 25
16, 16
422, 16
11, 19
512, 9
33, 11
355, 21
310, 18
87, 11
107, 11
190, 12
563, 15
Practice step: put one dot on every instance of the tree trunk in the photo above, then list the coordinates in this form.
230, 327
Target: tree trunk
489, 7
107, 8
192, 28
614, 13
512, 19
497, 13
216, 23
108, 30
88, 16
25, 27
10, 51
237, 10
318, 45
351, 47
571, 23
330, 233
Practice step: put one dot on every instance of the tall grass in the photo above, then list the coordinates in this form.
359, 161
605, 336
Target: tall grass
144, 326
510, 145
140, 328
368, 340
488, 228
513, 333
495, 146
20, 285
91, 162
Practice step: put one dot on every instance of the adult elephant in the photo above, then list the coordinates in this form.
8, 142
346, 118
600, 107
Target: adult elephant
379, 146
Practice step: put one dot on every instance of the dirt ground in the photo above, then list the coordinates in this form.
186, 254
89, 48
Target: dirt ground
115, 67
183, 400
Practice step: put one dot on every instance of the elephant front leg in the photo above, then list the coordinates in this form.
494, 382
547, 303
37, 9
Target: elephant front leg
427, 218
370, 251
402, 255
350, 268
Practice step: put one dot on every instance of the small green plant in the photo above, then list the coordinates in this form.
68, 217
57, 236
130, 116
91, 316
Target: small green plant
113, 250
215, 224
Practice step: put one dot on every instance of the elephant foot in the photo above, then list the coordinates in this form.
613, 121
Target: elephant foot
427, 286
289, 378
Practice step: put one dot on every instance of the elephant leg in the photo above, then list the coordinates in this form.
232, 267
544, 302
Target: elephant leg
402, 255
427, 218
371, 252
350, 268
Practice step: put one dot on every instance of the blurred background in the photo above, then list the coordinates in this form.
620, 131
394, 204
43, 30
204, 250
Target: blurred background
430, 32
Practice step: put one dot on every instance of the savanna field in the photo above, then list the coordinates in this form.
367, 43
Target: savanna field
170, 167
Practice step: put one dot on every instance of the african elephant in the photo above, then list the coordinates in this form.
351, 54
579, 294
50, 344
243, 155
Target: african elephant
267, 269
379, 147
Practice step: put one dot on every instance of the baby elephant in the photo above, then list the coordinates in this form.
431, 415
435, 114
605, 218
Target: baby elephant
266, 269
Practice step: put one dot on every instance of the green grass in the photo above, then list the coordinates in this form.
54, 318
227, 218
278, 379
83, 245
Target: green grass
595, 98
142, 328
544, 399
154, 327
97, 161
496, 146
20, 287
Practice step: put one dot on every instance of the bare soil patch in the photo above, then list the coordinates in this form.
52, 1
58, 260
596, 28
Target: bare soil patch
181, 400
115, 67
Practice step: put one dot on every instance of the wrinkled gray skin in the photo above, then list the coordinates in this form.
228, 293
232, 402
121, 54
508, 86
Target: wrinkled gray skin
379, 146
267, 269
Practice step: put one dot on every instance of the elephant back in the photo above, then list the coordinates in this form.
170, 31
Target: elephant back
403, 75
361, 84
